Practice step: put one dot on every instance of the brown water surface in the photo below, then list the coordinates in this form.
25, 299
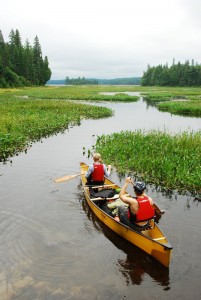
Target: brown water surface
53, 247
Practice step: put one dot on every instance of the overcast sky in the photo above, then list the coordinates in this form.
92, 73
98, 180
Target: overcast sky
107, 38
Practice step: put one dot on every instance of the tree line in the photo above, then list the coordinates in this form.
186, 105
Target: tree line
80, 81
187, 74
121, 81
115, 81
22, 65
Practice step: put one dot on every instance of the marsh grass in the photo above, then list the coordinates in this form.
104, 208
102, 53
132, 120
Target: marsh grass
28, 114
183, 108
173, 162
23, 121
178, 101
89, 93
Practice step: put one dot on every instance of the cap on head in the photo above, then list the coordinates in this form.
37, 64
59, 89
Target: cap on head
96, 156
139, 186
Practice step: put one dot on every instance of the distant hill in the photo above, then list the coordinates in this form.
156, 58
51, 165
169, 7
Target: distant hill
115, 81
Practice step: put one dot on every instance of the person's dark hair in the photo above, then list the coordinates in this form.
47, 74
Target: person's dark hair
139, 187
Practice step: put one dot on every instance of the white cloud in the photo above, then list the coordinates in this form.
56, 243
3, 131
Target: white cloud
107, 38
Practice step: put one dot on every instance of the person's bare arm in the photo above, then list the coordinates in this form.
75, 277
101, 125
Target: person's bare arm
123, 194
109, 168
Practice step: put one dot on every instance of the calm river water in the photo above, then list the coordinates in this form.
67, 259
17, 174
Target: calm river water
53, 247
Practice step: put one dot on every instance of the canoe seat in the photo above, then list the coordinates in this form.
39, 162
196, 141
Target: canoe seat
148, 227
103, 193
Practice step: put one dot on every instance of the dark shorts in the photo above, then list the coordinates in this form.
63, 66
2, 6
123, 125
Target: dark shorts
123, 216
94, 183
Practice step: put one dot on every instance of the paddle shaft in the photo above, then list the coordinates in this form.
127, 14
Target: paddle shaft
66, 178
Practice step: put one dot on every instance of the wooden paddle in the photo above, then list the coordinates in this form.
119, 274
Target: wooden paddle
100, 186
158, 210
66, 178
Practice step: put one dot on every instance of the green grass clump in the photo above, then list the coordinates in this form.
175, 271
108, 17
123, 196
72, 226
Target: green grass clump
153, 94
23, 121
173, 162
178, 101
89, 93
183, 108
27, 114
157, 97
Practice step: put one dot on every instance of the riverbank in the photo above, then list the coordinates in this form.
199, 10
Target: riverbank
169, 162
29, 114
25, 121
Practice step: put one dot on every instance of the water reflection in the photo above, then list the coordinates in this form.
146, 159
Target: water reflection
137, 264
53, 247
114, 93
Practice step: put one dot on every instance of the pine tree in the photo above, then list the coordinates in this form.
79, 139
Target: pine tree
177, 75
22, 65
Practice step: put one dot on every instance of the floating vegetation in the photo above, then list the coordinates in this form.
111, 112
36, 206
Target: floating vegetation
28, 114
185, 102
23, 121
88, 93
183, 108
173, 162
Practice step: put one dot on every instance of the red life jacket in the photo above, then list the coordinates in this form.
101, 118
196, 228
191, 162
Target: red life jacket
98, 173
145, 211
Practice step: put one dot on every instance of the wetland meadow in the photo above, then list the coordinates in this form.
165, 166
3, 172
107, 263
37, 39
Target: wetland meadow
51, 245
173, 161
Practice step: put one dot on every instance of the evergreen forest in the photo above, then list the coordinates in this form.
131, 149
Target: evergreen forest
121, 81
22, 65
80, 81
93, 81
187, 74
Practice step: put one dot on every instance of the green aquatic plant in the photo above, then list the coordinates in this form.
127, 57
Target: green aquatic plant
184, 108
28, 114
177, 101
170, 161
89, 93
23, 121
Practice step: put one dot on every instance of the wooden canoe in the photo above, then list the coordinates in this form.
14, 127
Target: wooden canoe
152, 241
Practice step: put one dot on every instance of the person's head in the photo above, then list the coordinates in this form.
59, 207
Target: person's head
96, 157
139, 187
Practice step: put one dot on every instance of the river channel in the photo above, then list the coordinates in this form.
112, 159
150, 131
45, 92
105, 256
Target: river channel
53, 247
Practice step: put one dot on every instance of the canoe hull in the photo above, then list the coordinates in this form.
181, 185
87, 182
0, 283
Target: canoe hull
151, 241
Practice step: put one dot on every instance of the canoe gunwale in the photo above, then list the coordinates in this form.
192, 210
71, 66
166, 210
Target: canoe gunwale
167, 245
148, 240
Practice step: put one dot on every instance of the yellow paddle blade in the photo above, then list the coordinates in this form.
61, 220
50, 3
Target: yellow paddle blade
66, 178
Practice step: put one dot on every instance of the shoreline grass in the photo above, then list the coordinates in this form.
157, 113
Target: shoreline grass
29, 114
88, 93
183, 102
159, 158
182, 108
23, 122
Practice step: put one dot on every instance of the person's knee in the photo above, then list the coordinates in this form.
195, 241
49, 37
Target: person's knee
123, 215
122, 209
